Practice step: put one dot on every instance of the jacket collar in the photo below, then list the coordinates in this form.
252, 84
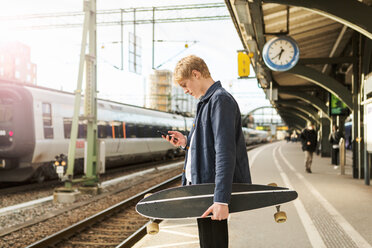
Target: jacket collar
210, 91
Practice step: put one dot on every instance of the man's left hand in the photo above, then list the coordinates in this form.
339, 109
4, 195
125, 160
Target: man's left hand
219, 211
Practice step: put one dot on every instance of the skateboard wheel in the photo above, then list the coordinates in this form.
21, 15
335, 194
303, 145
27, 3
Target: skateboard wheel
147, 195
280, 217
152, 228
272, 184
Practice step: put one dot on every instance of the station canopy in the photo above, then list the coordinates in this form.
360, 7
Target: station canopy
324, 32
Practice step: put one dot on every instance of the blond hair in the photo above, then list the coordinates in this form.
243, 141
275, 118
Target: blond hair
186, 65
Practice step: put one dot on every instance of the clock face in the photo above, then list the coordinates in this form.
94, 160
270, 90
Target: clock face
281, 53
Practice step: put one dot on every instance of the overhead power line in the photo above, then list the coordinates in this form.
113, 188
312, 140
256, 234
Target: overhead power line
126, 16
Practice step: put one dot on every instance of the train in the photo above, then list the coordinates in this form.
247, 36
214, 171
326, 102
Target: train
35, 127
253, 136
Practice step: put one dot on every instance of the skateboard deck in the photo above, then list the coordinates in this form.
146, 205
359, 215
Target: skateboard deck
192, 201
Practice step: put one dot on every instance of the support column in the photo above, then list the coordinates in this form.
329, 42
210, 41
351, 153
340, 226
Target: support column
90, 102
324, 141
356, 122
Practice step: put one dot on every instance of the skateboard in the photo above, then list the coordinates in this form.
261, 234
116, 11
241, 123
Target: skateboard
192, 201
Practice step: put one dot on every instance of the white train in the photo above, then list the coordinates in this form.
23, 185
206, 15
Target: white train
35, 126
253, 136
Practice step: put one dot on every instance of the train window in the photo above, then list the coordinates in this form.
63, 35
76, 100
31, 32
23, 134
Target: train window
47, 120
109, 131
149, 131
82, 131
115, 131
130, 129
119, 131
48, 132
67, 128
47, 114
140, 131
102, 131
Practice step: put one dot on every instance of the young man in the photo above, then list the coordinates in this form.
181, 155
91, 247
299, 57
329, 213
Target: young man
215, 147
309, 140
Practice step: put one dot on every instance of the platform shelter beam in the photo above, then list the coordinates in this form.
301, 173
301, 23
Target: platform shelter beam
293, 119
304, 108
314, 101
293, 122
299, 114
351, 13
328, 83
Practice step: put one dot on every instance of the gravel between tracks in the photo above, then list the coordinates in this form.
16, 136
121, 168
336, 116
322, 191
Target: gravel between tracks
40, 230
35, 191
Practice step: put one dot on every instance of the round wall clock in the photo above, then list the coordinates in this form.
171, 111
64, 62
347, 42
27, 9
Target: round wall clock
281, 53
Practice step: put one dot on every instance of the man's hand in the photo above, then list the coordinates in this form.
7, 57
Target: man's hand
181, 140
308, 143
219, 211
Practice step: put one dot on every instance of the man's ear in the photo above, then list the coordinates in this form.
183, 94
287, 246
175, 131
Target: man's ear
196, 74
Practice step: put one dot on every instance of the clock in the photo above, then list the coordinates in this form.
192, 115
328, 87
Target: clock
281, 53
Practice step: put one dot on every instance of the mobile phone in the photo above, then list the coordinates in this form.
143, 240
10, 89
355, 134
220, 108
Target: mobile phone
165, 135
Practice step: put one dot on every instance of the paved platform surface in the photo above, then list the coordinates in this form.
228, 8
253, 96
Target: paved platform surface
331, 211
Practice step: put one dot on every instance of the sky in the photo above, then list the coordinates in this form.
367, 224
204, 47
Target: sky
56, 51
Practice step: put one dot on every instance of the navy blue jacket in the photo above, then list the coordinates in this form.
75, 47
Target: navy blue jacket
218, 152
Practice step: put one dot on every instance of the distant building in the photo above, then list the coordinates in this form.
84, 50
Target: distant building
160, 88
166, 96
15, 63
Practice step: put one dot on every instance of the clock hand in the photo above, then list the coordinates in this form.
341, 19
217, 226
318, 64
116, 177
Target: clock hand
279, 54
281, 51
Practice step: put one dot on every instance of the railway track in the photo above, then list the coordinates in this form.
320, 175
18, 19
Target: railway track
108, 228
117, 226
10, 188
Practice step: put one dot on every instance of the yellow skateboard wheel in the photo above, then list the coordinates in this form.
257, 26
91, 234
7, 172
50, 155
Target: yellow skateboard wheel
272, 184
152, 228
280, 217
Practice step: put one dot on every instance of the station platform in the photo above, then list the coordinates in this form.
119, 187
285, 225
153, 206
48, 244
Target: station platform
332, 210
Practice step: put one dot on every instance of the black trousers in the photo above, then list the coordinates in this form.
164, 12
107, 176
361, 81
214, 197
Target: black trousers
213, 233
335, 156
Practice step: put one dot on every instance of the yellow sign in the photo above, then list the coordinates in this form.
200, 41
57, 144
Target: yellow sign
244, 62
265, 128
283, 128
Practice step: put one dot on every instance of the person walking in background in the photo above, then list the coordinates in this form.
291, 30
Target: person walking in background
294, 136
215, 147
334, 139
309, 140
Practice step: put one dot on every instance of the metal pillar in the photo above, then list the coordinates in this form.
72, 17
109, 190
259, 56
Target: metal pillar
342, 155
153, 38
356, 114
366, 62
90, 102
122, 39
324, 139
